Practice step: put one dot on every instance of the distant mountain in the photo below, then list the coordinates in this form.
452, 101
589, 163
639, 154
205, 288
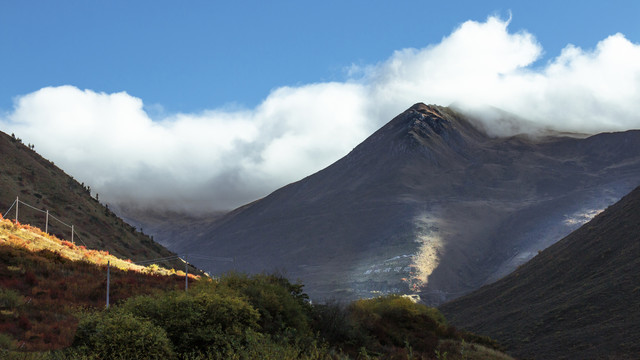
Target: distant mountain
167, 227
429, 204
578, 299
39, 183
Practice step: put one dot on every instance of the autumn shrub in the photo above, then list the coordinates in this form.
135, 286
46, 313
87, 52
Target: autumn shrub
103, 335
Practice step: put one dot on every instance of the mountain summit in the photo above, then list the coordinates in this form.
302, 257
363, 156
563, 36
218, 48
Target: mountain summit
429, 204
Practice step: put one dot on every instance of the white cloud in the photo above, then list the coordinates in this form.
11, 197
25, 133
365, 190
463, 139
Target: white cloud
224, 158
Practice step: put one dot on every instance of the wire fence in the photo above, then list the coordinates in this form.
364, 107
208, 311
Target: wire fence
17, 202
74, 235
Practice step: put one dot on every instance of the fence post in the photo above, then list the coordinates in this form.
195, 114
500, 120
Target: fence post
108, 279
17, 205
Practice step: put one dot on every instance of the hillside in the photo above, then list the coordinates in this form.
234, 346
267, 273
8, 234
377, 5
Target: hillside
45, 280
39, 183
578, 299
429, 205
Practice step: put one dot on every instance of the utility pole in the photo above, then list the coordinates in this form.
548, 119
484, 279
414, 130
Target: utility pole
46, 224
17, 205
72, 235
108, 279
186, 274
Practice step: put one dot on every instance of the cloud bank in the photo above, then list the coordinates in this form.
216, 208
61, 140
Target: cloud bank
220, 159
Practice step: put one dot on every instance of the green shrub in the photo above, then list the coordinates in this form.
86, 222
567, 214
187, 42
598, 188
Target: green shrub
116, 333
264, 348
394, 323
332, 323
6, 342
264, 317
285, 312
9, 299
198, 321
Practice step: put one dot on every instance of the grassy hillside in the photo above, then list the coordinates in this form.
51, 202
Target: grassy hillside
38, 182
578, 299
45, 280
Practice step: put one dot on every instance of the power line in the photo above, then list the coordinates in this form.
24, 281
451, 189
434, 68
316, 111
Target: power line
24, 203
156, 260
83, 243
5, 214
60, 221
17, 203
212, 258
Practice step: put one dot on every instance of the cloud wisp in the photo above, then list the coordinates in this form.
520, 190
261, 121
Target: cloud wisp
220, 159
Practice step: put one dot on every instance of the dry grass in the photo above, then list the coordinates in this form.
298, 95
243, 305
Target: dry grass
34, 239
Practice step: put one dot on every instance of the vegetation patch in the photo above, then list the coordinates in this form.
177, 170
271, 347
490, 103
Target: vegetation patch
53, 297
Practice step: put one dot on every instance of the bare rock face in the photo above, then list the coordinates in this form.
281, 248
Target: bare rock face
427, 205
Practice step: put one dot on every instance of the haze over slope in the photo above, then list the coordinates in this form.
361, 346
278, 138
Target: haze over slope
428, 204
578, 299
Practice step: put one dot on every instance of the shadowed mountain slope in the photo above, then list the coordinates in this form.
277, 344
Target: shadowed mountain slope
578, 299
38, 182
428, 205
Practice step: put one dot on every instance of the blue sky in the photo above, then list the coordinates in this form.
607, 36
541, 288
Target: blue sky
208, 54
213, 104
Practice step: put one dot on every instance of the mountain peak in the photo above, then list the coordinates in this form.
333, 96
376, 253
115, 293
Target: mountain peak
422, 107
427, 200
433, 129
427, 119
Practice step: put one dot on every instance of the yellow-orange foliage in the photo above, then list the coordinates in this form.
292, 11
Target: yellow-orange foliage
34, 239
